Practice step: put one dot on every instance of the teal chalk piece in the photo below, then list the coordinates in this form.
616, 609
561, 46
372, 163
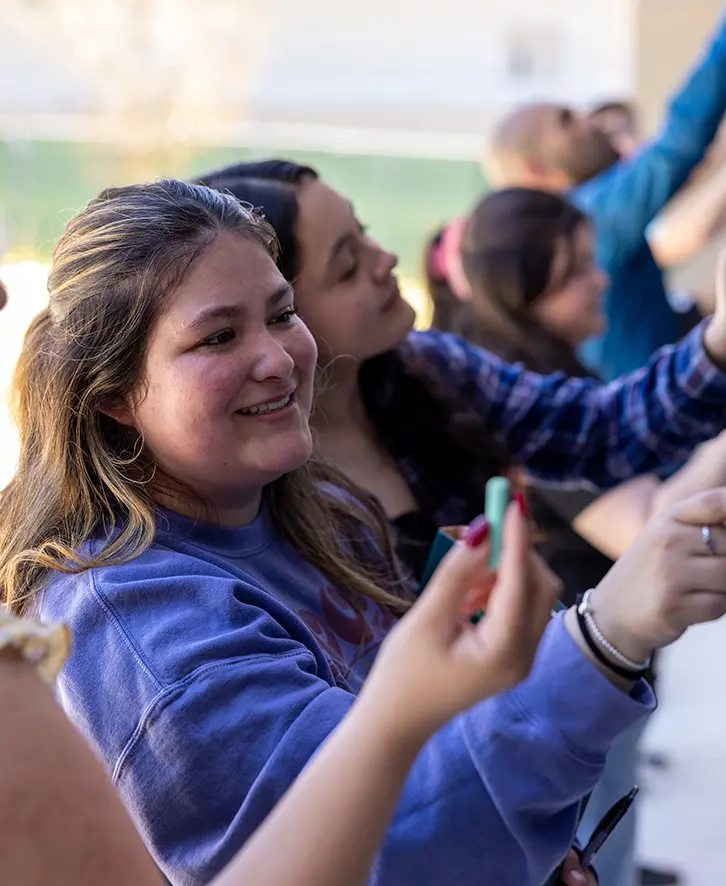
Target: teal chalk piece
498, 494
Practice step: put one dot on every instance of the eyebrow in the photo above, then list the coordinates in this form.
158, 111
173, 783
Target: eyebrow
340, 244
233, 312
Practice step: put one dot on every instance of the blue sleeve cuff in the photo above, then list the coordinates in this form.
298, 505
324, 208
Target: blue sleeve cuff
567, 693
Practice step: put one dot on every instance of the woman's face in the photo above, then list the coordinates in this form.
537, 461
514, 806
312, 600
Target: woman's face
573, 307
348, 295
228, 377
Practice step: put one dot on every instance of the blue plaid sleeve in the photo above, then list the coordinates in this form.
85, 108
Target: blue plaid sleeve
578, 429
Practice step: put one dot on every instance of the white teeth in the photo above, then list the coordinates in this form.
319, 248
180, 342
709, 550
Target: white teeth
267, 407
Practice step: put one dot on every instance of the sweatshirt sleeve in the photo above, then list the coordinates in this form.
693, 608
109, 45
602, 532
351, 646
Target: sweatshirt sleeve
579, 429
492, 798
623, 201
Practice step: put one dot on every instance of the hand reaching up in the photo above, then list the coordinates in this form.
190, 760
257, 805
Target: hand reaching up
673, 576
436, 663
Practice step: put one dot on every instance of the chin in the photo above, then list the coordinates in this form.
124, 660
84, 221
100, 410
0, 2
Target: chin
398, 326
284, 458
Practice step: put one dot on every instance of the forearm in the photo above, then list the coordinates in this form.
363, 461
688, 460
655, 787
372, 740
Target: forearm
329, 826
62, 820
690, 220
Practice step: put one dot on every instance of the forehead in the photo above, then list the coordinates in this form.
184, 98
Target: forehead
324, 217
233, 270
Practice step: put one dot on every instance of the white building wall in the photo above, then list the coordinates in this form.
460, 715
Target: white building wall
450, 66
457, 53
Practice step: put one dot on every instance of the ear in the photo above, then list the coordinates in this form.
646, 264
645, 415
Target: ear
119, 410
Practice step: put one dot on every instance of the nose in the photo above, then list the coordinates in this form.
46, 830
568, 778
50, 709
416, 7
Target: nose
267, 357
384, 263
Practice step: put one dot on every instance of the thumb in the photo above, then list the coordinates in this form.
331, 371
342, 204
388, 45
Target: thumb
510, 591
515, 546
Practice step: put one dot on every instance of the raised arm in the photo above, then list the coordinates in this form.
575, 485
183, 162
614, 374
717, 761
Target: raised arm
626, 199
65, 824
265, 704
690, 221
576, 429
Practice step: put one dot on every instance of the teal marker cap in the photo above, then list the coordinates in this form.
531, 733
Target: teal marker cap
498, 494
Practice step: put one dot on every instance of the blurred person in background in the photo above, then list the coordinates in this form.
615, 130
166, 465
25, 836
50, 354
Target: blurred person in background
551, 147
690, 222
619, 121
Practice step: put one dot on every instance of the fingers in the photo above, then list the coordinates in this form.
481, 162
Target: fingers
461, 571
515, 547
710, 543
701, 574
526, 589
699, 607
705, 509
572, 873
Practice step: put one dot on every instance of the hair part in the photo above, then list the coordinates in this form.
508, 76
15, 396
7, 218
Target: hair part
80, 473
271, 187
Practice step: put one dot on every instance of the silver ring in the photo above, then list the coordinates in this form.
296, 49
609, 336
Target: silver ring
707, 537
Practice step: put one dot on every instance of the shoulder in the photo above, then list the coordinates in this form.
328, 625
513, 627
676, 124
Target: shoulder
168, 612
447, 354
592, 196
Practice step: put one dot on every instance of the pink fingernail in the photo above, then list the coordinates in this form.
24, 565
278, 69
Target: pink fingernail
477, 532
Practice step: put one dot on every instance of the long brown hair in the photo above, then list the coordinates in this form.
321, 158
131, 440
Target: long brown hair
80, 472
508, 252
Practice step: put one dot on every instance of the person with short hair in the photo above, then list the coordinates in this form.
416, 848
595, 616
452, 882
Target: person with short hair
548, 146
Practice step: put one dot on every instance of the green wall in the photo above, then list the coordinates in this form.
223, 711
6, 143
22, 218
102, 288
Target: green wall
403, 200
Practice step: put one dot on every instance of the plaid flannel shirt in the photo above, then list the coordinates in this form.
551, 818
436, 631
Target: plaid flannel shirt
570, 429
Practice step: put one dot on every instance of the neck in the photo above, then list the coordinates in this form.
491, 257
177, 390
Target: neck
239, 511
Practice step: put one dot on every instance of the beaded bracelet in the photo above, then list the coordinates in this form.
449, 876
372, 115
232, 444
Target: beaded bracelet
595, 639
45, 646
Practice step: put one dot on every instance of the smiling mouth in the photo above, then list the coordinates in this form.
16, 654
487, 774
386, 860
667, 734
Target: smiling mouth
268, 407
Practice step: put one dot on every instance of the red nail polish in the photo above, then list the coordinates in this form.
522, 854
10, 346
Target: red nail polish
519, 498
477, 532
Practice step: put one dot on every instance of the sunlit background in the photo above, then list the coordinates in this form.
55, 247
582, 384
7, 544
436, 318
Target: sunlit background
391, 101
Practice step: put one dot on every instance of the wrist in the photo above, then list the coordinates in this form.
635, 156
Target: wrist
575, 632
386, 725
714, 342
610, 622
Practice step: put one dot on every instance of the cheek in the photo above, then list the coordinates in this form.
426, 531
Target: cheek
179, 395
304, 351
340, 319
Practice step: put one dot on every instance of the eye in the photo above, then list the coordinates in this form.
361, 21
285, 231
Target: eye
223, 337
287, 316
350, 273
